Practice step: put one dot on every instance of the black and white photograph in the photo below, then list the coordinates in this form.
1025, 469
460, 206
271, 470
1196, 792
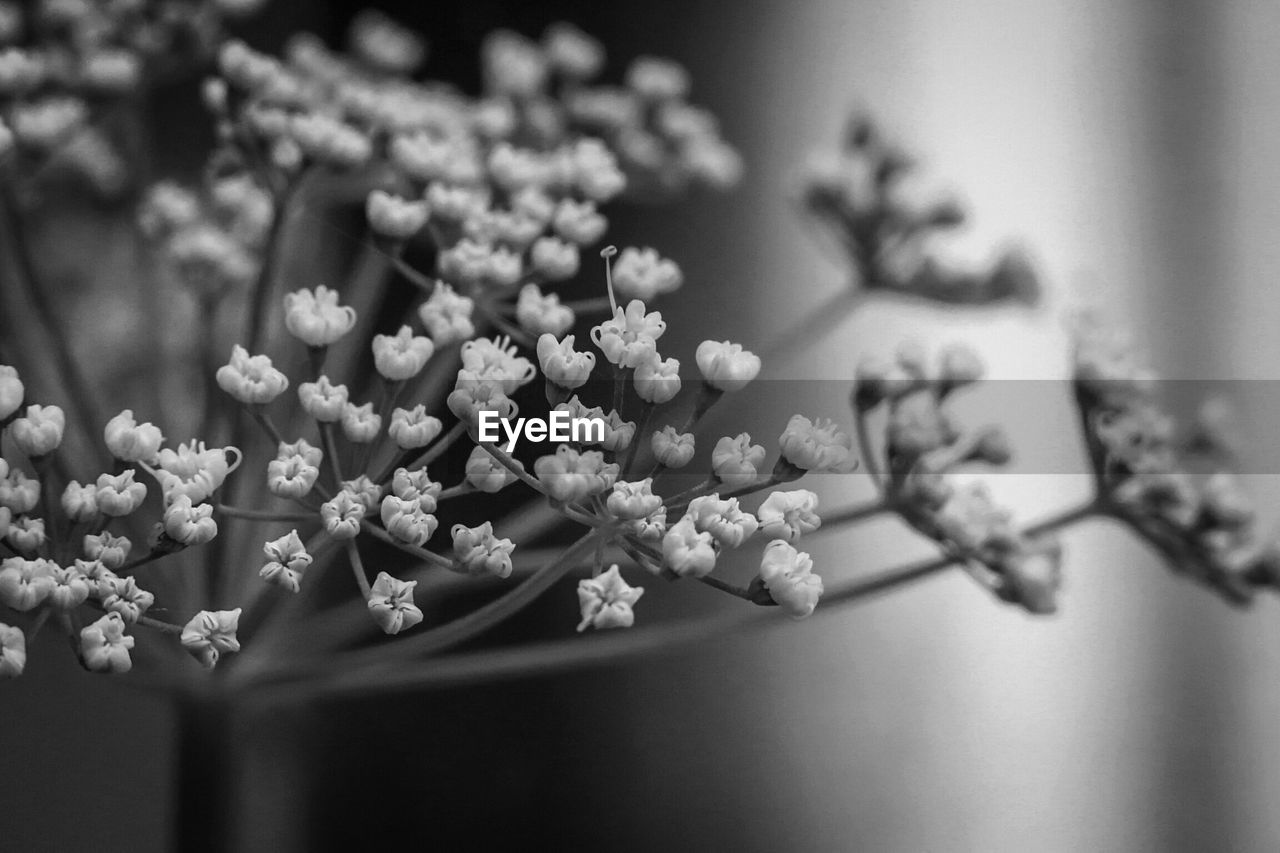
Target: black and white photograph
758, 426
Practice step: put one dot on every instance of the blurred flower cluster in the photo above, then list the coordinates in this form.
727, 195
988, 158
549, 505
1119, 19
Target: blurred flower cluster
341, 483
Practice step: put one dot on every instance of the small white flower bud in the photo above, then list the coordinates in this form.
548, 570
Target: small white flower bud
25, 584
211, 634
360, 424
555, 259
789, 515
80, 503
572, 52
251, 379
405, 519
413, 428
342, 515
401, 356
12, 391
104, 646
788, 575
19, 493
13, 650
478, 551
315, 317
736, 461
561, 364
571, 476
394, 217
606, 601
447, 316
188, 523
323, 400
126, 598
814, 445
672, 449
688, 552
39, 432
287, 559
485, 474
119, 495
111, 551
629, 338
539, 314
726, 366
130, 441
658, 79
27, 534
631, 501
644, 274
391, 604
70, 587
723, 519
658, 381
579, 222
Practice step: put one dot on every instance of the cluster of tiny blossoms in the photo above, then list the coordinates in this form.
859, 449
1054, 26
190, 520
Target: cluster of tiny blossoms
67, 559
65, 64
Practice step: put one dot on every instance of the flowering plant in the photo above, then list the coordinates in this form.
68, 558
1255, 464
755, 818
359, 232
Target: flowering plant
339, 485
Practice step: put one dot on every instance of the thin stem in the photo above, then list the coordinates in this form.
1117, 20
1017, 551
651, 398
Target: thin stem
731, 589
642, 426
255, 321
331, 452
506, 460
357, 568
263, 515
421, 553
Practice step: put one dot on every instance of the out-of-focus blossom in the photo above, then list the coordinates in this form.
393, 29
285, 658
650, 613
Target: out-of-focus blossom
251, 379
39, 431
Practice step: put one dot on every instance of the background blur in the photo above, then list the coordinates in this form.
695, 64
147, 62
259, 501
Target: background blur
1133, 146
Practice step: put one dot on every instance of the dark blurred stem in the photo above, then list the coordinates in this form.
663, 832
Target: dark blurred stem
810, 328
264, 286
83, 403
206, 813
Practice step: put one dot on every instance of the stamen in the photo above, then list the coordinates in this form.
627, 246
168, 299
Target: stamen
608, 252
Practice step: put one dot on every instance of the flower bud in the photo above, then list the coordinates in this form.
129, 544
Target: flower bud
25, 584
562, 365
401, 356
416, 486
291, 477
13, 647
211, 634
70, 587
542, 315
486, 474
644, 274
188, 523
788, 575
478, 551
119, 495
27, 534
104, 646
323, 400
555, 260
723, 519
736, 461
18, 492
360, 424
579, 222
394, 217
391, 604
726, 366
80, 503
814, 445
126, 598
111, 551
251, 379
342, 514
629, 338
631, 501
672, 449
287, 559
606, 601
12, 391
447, 316
315, 317
130, 441
688, 552
789, 515
405, 520
39, 432
413, 428
658, 381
